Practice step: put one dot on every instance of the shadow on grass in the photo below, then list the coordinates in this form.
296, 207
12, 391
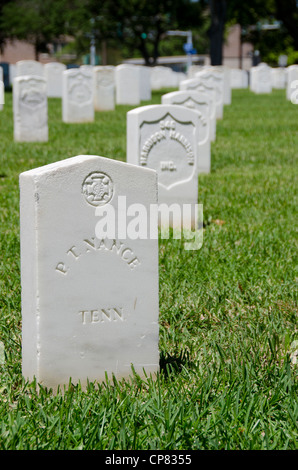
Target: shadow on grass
175, 363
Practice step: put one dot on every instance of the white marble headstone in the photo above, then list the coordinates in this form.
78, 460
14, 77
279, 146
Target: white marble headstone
29, 67
164, 138
239, 79
12, 73
77, 96
227, 84
192, 70
292, 75
89, 304
87, 67
278, 78
260, 79
194, 84
200, 102
215, 79
226, 71
145, 83
30, 109
53, 75
104, 88
173, 79
160, 77
128, 87
252, 79
165, 77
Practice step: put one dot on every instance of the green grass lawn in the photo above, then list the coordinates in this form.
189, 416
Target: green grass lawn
228, 317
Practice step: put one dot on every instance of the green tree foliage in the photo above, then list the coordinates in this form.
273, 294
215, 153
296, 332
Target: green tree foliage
254, 14
287, 12
143, 25
137, 25
249, 13
36, 21
3, 29
91, 18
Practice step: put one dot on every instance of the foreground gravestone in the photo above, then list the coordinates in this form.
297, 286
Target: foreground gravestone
89, 304
200, 102
104, 88
164, 138
53, 75
194, 84
128, 87
29, 67
77, 96
30, 109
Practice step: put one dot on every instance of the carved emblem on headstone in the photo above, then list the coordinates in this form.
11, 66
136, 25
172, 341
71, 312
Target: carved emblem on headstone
79, 89
97, 189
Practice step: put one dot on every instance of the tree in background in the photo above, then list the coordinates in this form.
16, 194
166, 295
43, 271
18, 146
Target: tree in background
142, 25
3, 30
252, 16
139, 27
39, 22
91, 20
287, 12
129, 25
218, 14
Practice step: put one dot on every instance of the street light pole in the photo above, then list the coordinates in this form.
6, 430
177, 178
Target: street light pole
187, 34
189, 55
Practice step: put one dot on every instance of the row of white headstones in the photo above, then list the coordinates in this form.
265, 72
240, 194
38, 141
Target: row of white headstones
90, 300
263, 79
83, 90
149, 79
87, 89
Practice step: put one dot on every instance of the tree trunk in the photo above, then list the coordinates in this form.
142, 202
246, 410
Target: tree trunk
150, 61
156, 47
144, 51
287, 12
218, 10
